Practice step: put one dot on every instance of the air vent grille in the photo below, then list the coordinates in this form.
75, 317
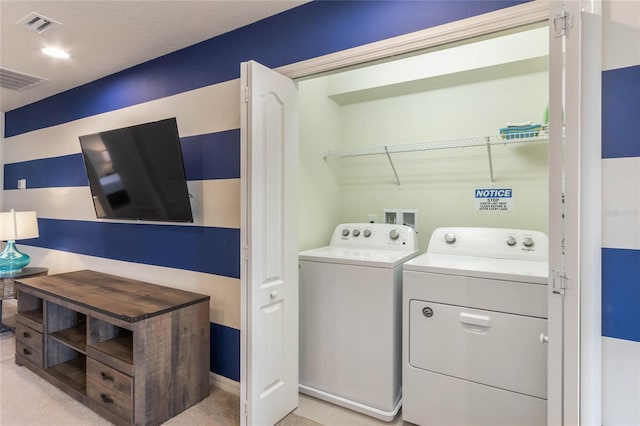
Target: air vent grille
39, 23
18, 81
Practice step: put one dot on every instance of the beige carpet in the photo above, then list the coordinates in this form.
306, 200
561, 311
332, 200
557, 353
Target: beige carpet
28, 400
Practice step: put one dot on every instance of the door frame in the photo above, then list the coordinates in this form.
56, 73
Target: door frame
582, 245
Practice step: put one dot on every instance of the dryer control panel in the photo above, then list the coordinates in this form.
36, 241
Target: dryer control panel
375, 235
500, 243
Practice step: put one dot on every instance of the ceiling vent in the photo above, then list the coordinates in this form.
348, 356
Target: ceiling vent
39, 23
18, 81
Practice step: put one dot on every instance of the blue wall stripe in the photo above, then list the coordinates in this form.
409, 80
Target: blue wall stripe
209, 156
225, 351
67, 170
621, 293
195, 248
307, 31
212, 156
620, 112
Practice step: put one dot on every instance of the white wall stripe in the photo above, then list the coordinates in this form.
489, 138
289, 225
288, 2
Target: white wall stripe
620, 382
214, 203
620, 34
224, 307
210, 109
621, 203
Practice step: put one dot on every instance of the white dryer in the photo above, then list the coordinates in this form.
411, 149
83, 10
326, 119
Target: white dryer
474, 327
351, 317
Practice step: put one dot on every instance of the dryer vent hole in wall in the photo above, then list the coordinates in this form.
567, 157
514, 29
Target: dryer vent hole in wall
408, 217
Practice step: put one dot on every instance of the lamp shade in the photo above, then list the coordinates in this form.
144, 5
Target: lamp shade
18, 225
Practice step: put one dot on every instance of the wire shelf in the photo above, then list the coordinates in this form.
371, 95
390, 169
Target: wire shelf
478, 141
437, 144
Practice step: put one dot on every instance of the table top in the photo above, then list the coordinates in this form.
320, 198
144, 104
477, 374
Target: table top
26, 272
6, 280
127, 299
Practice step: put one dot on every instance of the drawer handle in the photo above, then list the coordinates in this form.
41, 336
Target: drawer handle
106, 398
26, 334
106, 376
26, 351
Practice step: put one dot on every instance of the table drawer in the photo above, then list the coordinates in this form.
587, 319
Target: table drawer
31, 353
29, 336
110, 388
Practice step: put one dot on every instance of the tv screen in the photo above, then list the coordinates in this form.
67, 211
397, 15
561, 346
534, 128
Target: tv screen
137, 173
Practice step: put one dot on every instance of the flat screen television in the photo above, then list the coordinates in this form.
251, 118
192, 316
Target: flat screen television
137, 173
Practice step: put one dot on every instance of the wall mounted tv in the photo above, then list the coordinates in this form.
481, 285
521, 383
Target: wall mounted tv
137, 173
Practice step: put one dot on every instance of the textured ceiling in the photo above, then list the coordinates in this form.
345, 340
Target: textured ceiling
104, 36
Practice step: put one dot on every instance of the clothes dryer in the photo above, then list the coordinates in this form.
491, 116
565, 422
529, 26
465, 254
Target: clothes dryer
474, 329
351, 317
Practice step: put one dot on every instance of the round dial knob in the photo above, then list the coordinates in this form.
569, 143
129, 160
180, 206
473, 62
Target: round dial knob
367, 233
356, 232
450, 238
345, 232
528, 242
511, 241
394, 234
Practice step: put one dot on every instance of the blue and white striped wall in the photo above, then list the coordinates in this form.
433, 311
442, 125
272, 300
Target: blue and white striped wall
621, 214
198, 85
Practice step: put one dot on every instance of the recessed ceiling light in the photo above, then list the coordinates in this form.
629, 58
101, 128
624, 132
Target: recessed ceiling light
56, 53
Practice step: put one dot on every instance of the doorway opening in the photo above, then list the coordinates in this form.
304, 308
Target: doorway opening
423, 132
434, 103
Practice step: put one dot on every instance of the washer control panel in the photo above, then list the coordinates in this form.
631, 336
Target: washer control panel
375, 235
490, 242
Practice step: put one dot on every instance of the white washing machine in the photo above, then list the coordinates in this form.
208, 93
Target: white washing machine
351, 317
474, 327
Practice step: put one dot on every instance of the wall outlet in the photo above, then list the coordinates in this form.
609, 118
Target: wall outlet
373, 218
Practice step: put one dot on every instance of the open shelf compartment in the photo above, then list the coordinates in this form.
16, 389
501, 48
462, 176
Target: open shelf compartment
111, 344
67, 326
30, 308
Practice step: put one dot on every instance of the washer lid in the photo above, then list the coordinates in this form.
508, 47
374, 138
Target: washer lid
481, 267
356, 256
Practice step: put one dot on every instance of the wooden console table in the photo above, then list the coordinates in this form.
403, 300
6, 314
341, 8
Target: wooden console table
134, 352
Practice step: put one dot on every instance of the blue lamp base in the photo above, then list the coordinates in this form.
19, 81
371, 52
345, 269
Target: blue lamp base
12, 260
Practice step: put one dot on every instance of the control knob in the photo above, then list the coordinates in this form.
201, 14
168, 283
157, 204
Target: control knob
394, 234
356, 232
528, 242
450, 237
367, 233
511, 241
345, 232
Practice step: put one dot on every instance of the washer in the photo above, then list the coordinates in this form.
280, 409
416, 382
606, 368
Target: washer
474, 328
351, 317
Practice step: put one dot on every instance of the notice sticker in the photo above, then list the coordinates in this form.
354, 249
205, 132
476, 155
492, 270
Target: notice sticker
493, 199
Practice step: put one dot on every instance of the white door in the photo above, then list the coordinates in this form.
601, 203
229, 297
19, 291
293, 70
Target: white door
574, 215
269, 271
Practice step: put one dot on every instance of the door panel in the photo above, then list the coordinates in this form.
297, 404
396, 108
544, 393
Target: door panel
269, 272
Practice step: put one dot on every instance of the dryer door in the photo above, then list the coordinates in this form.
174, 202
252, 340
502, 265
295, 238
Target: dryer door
487, 347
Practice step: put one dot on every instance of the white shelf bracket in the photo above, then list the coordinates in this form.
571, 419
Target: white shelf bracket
386, 151
490, 159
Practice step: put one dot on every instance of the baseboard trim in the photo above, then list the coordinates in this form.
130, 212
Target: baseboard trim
224, 383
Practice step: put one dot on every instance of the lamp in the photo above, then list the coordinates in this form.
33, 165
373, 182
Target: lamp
16, 226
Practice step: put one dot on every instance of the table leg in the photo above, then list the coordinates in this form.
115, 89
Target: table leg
4, 327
